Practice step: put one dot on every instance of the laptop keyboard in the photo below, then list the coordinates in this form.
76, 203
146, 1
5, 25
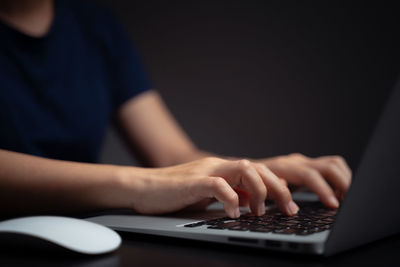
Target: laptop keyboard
312, 218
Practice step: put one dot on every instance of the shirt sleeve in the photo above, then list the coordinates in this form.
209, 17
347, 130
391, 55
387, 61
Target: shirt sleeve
128, 77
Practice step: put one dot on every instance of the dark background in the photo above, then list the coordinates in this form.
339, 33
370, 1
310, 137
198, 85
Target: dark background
258, 78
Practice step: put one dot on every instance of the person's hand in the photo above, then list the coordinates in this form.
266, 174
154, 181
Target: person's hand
329, 176
169, 189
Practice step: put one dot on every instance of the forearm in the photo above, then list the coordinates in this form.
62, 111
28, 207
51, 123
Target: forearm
188, 156
199, 154
30, 184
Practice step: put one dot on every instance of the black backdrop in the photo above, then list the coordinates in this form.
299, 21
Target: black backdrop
257, 78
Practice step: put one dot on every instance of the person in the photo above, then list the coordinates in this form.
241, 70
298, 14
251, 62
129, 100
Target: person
66, 69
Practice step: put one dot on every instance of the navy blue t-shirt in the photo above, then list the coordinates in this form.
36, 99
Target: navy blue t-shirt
58, 92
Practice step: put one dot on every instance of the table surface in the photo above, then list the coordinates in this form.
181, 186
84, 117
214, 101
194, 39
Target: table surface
146, 250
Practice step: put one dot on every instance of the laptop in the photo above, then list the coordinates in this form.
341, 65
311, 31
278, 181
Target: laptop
370, 210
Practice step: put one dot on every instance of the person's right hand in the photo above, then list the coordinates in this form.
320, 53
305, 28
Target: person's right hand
163, 190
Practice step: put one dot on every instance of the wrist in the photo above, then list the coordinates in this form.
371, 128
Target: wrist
129, 185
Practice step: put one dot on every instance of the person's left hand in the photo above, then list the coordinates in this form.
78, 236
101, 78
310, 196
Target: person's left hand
329, 177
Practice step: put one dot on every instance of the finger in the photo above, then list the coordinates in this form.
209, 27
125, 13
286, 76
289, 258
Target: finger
283, 181
316, 183
217, 187
252, 182
341, 164
278, 191
333, 174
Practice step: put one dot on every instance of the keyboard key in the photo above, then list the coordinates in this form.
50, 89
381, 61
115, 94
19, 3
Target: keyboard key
229, 224
194, 224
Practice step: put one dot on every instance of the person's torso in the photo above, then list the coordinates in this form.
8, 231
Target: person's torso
54, 90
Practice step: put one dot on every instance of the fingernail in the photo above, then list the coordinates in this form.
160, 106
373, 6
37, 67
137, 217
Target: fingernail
292, 208
261, 209
237, 213
334, 202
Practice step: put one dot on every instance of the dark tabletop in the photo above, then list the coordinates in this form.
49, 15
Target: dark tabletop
145, 250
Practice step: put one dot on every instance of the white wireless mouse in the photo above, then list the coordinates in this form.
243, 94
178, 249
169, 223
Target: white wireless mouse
73, 234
